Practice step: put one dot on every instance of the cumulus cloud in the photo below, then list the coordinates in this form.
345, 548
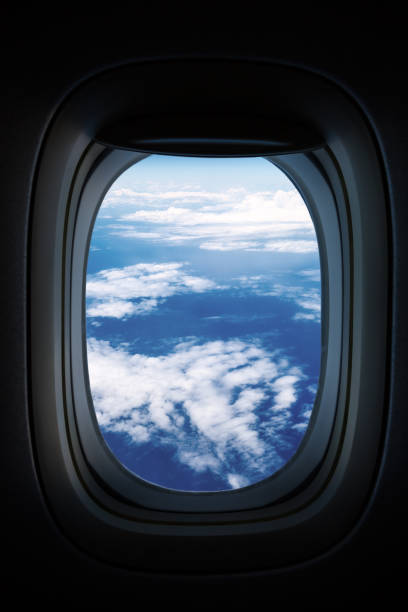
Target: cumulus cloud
214, 403
139, 289
237, 481
234, 219
119, 309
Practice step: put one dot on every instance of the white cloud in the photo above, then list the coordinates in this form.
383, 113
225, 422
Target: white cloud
313, 275
308, 299
236, 397
232, 245
125, 196
111, 292
300, 426
237, 481
119, 309
291, 246
304, 316
280, 246
284, 388
199, 463
227, 220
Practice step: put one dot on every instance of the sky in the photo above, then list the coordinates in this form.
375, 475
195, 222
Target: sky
203, 321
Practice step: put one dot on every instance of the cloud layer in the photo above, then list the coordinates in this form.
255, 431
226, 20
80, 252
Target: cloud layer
233, 219
140, 289
223, 406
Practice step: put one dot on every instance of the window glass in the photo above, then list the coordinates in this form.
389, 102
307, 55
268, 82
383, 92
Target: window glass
203, 320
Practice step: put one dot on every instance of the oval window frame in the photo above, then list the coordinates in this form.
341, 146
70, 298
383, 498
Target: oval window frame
313, 445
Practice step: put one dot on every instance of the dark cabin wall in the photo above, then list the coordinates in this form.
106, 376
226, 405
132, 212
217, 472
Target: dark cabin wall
39, 563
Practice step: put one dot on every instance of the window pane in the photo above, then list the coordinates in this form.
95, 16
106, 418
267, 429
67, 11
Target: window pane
203, 321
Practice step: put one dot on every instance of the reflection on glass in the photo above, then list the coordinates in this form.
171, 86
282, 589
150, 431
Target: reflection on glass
203, 321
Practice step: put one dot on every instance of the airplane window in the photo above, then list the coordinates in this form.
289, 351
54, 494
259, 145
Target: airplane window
203, 320
212, 405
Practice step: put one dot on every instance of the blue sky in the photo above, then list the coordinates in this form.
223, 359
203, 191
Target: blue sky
203, 320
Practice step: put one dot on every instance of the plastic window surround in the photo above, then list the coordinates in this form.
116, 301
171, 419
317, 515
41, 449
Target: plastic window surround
315, 188
108, 511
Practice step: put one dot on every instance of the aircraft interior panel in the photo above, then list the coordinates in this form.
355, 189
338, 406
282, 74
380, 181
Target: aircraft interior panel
330, 528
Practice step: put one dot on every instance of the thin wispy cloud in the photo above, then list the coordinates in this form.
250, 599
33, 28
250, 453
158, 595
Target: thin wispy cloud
307, 298
124, 196
311, 274
279, 246
211, 403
